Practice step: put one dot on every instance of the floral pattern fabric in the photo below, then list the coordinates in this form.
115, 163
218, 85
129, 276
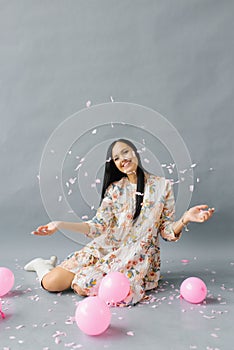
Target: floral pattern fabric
119, 244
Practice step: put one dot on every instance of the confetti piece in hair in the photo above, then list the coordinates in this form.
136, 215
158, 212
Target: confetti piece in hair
88, 104
94, 131
67, 184
130, 333
139, 194
84, 217
170, 171
108, 160
98, 181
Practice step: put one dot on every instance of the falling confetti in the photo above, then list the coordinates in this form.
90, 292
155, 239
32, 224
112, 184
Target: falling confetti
88, 104
191, 188
94, 131
130, 333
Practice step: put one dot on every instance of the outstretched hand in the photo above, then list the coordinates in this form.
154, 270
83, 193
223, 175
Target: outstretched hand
199, 213
47, 230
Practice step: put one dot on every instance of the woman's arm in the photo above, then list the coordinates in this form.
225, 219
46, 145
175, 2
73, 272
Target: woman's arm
52, 227
194, 214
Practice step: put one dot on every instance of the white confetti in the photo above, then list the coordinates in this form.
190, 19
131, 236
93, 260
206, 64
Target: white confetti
20, 326
146, 160
191, 188
52, 151
57, 340
84, 217
193, 165
214, 335
60, 198
198, 180
94, 131
130, 333
69, 192
78, 167
88, 104
72, 180
111, 98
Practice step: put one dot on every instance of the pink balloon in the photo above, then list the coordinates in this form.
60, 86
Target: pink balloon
7, 280
114, 287
193, 289
93, 316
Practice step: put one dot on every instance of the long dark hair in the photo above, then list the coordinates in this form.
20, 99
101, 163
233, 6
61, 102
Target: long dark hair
112, 173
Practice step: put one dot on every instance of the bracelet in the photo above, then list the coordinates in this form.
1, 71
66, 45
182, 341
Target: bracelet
185, 225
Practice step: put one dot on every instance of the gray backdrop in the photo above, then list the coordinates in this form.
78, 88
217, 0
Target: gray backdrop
175, 57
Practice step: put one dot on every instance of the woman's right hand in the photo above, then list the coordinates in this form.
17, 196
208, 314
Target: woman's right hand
47, 230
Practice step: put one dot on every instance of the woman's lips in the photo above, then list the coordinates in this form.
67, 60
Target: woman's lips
126, 163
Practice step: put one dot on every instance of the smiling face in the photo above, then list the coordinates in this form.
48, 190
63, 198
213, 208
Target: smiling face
124, 158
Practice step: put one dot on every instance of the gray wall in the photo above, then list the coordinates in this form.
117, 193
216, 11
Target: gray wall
175, 57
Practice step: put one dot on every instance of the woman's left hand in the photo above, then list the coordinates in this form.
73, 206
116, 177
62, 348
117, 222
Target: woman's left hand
199, 213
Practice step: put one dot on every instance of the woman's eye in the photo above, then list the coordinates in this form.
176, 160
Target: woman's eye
116, 159
125, 151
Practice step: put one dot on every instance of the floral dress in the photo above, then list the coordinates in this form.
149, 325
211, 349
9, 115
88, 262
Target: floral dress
119, 244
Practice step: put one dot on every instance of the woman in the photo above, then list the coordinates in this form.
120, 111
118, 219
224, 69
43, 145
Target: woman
136, 208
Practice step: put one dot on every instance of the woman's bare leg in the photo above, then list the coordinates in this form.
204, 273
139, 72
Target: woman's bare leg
57, 280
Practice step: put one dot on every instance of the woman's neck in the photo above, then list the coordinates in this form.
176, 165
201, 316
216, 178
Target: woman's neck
132, 177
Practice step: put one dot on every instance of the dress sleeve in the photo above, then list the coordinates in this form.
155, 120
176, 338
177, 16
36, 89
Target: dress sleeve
168, 215
101, 222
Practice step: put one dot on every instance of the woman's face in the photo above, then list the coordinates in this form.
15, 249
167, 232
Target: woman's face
124, 158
